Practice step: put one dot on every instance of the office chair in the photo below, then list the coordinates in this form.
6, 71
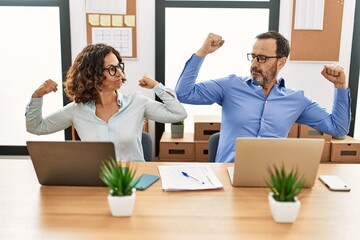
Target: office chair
212, 146
147, 146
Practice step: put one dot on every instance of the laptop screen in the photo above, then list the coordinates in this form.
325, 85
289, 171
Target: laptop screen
69, 163
253, 157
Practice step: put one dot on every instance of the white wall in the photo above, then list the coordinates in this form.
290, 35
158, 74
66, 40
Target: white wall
298, 75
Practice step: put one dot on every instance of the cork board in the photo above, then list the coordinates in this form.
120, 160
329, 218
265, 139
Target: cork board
117, 30
319, 45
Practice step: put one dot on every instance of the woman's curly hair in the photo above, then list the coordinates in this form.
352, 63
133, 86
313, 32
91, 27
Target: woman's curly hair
85, 76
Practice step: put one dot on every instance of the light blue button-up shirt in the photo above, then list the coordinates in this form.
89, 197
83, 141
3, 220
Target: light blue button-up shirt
247, 112
124, 128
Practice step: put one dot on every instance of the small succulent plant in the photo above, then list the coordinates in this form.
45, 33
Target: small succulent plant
284, 186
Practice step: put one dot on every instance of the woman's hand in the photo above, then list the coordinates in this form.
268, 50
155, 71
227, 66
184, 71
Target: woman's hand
45, 88
147, 82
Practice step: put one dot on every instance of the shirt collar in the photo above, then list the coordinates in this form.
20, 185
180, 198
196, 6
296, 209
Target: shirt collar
280, 83
119, 98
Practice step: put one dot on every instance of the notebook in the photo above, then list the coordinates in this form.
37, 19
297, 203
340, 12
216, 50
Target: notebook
69, 163
253, 156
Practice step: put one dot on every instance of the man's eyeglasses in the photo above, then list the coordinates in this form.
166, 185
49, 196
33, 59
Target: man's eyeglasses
259, 58
112, 69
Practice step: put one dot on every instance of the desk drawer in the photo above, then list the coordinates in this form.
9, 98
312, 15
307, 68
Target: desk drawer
176, 151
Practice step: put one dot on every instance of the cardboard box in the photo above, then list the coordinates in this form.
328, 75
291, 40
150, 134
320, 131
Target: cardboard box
347, 150
177, 149
294, 131
205, 126
201, 151
308, 132
325, 157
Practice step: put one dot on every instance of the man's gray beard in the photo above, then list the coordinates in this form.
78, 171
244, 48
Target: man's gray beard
260, 81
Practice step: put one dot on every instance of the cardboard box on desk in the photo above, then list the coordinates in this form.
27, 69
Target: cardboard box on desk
347, 150
177, 149
308, 132
294, 131
201, 151
326, 154
205, 126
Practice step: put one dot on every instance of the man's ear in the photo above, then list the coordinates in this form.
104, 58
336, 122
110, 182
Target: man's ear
282, 62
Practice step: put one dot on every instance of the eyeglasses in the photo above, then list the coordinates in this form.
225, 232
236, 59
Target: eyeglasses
113, 69
259, 58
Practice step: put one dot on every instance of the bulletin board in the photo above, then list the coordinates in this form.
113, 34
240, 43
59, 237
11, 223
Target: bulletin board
117, 30
319, 45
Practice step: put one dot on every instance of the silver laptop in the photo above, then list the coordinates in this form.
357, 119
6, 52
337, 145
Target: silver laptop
253, 156
69, 163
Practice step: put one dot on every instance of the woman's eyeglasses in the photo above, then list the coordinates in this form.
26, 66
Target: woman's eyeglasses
113, 69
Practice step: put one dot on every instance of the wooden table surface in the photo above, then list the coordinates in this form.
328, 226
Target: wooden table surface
31, 211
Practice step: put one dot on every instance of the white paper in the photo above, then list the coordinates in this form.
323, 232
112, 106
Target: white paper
106, 6
309, 14
202, 177
118, 38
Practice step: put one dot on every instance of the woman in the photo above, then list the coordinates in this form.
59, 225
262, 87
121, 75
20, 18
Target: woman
98, 111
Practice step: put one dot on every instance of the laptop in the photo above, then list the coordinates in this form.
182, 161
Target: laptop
69, 163
253, 156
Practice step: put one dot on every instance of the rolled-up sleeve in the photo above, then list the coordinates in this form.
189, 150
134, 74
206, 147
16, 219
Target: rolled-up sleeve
169, 111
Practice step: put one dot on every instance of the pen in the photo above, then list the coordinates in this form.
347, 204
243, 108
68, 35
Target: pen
187, 175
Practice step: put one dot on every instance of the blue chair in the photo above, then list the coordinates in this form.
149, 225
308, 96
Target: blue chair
147, 146
212, 146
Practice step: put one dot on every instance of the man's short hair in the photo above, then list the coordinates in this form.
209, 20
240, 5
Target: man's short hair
282, 44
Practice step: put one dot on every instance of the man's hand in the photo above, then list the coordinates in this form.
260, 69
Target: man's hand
45, 88
212, 43
335, 74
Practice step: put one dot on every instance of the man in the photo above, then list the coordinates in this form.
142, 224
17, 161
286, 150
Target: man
261, 105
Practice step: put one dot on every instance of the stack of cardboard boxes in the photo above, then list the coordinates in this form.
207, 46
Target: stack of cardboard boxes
345, 150
194, 146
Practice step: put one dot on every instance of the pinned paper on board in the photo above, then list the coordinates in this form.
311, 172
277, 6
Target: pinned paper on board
309, 15
130, 20
119, 38
94, 19
106, 6
117, 21
105, 20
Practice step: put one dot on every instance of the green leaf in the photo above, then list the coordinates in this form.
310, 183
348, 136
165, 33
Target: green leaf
118, 178
284, 185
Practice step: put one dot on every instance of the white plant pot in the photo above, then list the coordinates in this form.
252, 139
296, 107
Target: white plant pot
284, 212
122, 206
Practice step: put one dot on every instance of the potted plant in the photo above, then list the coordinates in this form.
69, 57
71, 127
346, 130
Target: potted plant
177, 129
285, 187
121, 182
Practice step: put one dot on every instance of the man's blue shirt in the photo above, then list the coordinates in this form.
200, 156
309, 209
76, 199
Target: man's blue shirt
247, 112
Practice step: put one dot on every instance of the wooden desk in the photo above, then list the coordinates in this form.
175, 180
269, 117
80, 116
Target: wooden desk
30, 211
